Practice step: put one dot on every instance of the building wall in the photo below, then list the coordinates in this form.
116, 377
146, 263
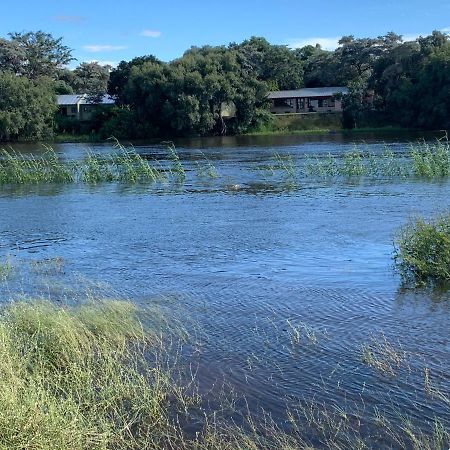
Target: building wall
295, 104
69, 111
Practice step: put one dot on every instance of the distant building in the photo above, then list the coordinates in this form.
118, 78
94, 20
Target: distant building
81, 106
307, 100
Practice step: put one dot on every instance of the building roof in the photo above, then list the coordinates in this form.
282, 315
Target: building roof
309, 92
63, 100
83, 99
103, 100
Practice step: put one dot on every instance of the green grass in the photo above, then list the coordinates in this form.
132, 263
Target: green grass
421, 161
67, 137
422, 251
6, 269
92, 377
125, 165
76, 378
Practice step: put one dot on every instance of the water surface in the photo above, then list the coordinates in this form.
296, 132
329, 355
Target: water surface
245, 260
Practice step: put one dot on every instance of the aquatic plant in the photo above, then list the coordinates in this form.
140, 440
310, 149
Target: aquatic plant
125, 165
205, 168
6, 269
422, 251
176, 169
16, 168
382, 355
431, 161
423, 160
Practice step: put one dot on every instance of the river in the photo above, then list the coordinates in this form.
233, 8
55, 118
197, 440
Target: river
282, 285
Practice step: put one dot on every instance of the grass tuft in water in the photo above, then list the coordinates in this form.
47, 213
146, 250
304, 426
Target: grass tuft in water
6, 269
77, 378
422, 251
383, 356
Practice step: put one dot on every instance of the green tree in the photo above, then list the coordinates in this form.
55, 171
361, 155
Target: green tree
188, 95
27, 107
277, 65
36, 54
118, 77
91, 78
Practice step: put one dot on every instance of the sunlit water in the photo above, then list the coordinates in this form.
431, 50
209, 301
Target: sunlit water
247, 260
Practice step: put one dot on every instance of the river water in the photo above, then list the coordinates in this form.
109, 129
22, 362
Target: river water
282, 284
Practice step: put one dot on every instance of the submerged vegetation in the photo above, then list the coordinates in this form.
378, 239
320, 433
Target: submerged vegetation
92, 376
422, 251
420, 160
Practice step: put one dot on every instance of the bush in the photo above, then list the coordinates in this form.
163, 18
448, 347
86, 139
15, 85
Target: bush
422, 251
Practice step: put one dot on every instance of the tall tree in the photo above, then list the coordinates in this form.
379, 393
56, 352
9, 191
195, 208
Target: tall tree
279, 66
118, 77
91, 78
37, 54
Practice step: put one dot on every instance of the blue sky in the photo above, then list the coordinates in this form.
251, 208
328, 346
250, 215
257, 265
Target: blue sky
110, 31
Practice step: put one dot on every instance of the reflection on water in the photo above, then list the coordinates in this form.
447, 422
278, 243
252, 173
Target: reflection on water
285, 283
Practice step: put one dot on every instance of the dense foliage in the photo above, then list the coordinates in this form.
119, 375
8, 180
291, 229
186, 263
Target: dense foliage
422, 251
218, 90
27, 107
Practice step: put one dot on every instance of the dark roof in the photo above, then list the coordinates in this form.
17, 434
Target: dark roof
309, 92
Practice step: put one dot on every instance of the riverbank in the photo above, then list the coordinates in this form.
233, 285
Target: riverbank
279, 125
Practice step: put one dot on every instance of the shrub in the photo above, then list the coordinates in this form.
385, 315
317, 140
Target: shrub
422, 251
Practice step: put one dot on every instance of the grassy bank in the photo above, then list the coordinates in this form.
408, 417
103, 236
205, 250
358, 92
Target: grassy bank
300, 124
61, 138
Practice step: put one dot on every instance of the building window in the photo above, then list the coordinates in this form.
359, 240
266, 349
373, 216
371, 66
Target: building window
282, 103
74, 109
321, 103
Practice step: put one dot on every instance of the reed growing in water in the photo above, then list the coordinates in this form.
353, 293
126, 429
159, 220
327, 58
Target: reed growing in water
125, 165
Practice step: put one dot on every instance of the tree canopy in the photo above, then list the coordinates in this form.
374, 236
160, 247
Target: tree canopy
223, 89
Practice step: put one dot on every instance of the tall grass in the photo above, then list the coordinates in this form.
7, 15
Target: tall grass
422, 251
431, 161
126, 165
422, 160
6, 269
91, 377
77, 378
16, 168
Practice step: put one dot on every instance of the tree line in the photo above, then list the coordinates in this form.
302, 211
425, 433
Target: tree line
390, 81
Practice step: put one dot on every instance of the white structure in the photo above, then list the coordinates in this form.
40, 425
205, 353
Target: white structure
307, 100
80, 106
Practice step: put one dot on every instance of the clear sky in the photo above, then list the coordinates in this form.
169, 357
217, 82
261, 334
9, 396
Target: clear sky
110, 30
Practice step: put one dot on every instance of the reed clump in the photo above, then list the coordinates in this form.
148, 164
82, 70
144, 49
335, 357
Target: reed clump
422, 251
125, 165
77, 378
422, 160
6, 269
383, 356
16, 168
431, 161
